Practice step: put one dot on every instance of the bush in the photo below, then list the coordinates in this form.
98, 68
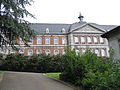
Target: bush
34, 63
90, 72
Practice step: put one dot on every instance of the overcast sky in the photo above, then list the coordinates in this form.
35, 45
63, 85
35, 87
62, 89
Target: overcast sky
67, 11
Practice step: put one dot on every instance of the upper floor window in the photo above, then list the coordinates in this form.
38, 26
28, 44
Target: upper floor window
47, 40
47, 30
30, 41
21, 51
95, 40
101, 40
89, 40
103, 52
39, 40
82, 39
76, 39
47, 52
64, 41
55, 40
63, 30
39, 51
30, 52
56, 52
21, 41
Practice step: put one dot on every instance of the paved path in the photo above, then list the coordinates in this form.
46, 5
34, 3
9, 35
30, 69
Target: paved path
30, 81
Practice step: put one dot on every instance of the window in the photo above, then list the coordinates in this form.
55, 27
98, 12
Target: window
101, 40
12, 51
47, 52
47, 30
64, 41
82, 39
103, 52
55, 40
2, 51
30, 52
39, 40
95, 40
83, 51
63, 30
39, 51
21, 51
63, 52
21, 42
56, 52
76, 39
97, 52
77, 51
89, 40
47, 40
30, 41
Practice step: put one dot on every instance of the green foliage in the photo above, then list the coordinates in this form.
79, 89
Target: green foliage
35, 63
12, 23
90, 72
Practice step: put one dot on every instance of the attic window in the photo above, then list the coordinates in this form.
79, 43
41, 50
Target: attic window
47, 30
63, 30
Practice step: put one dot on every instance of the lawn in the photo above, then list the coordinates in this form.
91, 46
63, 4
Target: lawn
1, 71
53, 75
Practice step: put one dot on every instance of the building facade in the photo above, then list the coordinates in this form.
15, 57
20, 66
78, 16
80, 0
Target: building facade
53, 38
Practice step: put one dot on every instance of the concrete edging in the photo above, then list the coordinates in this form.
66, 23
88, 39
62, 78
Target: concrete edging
1, 77
58, 80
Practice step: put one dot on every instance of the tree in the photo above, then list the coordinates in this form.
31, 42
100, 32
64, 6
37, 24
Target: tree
12, 23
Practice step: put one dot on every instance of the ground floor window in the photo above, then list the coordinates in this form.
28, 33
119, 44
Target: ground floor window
30, 52
56, 52
47, 52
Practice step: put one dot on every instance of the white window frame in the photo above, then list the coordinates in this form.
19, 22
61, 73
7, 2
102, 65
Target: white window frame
83, 51
95, 39
56, 40
39, 51
77, 51
12, 51
97, 52
30, 41
103, 52
39, 40
101, 40
76, 39
47, 30
56, 53
82, 39
2, 51
47, 53
63, 52
63, 30
21, 52
89, 40
47, 40
29, 53
21, 42
64, 41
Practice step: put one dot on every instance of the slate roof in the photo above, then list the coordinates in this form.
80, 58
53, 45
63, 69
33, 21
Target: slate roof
53, 28
57, 28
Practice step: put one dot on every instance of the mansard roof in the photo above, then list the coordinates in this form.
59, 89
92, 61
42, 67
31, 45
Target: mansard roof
57, 28
53, 28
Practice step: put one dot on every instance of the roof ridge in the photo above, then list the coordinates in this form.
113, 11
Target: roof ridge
51, 23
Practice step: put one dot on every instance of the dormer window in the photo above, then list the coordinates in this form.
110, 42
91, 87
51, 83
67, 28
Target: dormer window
63, 30
47, 30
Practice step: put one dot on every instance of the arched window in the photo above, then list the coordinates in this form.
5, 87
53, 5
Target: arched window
47, 30
47, 52
56, 52
21, 51
30, 52
39, 51
63, 30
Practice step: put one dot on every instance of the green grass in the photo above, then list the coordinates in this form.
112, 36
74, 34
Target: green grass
1, 71
53, 75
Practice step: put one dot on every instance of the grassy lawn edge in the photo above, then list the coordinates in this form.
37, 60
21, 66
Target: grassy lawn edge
53, 75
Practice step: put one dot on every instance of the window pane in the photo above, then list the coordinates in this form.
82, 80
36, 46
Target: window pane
64, 40
89, 40
47, 40
47, 30
56, 52
39, 40
56, 40
30, 52
30, 41
77, 51
39, 51
95, 40
97, 52
21, 42
76, 39
101, 40
103, 52
21, 51
83, 39
47, 52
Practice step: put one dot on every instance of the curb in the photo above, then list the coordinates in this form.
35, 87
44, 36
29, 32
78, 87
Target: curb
1, 77
58, 80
